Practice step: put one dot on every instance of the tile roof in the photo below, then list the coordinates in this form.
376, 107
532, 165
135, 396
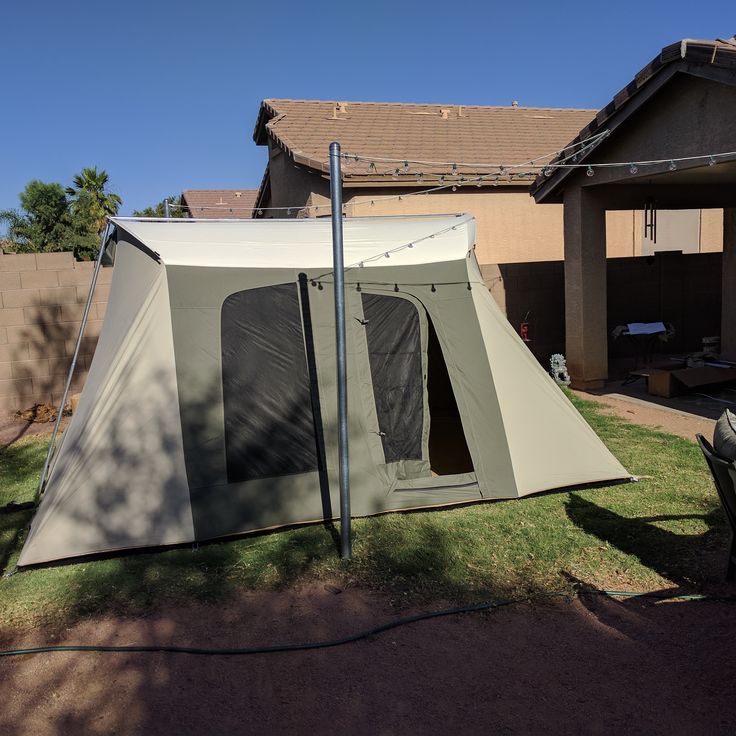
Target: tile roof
711, 58
219, 203
465, 134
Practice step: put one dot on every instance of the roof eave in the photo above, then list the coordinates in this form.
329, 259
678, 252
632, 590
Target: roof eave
671, 60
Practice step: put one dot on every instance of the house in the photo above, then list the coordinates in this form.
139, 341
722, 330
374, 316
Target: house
457, 145
677, 113
212, 204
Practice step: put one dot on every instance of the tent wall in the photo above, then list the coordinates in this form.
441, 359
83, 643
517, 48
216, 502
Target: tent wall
118, 479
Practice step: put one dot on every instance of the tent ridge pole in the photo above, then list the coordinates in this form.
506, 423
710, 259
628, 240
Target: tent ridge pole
340, 341
75, 356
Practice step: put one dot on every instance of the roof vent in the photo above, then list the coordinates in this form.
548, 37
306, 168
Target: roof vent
339, 108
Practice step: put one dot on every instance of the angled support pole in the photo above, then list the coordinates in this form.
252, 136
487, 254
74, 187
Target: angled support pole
106, 233
338, 267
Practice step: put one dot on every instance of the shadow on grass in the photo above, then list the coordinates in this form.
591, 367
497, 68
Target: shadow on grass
686, 559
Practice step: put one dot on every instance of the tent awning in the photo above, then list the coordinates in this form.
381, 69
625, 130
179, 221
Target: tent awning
303, 243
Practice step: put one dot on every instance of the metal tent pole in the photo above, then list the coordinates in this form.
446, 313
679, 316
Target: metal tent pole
167, 208
67, 385
342, 389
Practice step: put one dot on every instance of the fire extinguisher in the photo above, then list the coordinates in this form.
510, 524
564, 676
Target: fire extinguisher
524, 329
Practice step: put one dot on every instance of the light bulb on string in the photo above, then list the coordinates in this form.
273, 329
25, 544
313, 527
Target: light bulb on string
633, 169
711, 161
395, 174
406, 167
672, 166
454, 169
454, 188
590, 171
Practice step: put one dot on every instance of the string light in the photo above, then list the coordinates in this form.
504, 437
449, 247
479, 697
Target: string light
494, 178
406, 167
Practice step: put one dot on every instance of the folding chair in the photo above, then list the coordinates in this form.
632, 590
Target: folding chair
724, 477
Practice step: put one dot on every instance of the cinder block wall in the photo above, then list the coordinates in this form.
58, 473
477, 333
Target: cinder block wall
42, 298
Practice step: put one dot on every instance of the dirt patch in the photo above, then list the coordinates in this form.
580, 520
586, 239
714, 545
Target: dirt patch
580, 667
13, 429
650, 415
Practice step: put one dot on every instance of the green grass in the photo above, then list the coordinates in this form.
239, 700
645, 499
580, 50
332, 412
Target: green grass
662, 533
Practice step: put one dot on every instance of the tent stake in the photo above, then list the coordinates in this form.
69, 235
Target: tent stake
342, 391
67, 385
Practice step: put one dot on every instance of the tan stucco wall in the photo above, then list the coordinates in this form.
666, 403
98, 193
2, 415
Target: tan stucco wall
711, 231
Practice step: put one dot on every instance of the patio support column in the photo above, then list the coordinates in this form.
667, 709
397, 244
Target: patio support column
728, 285
585, 289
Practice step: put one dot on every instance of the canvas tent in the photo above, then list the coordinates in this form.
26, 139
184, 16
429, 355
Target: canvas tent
210, 405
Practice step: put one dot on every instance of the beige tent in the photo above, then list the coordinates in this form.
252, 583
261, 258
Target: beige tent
210, 406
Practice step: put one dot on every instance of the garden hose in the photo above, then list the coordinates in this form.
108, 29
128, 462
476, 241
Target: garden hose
327, 643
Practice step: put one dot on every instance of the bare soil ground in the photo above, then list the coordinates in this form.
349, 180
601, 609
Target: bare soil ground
589, 666
13, 429
650, 414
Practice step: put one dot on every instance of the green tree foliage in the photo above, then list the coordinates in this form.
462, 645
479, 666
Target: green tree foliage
52, 218
159, 209
89, 194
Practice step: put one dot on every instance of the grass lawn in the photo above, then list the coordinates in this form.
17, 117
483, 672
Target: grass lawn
666, 532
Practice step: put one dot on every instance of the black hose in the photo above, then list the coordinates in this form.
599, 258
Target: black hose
327, 643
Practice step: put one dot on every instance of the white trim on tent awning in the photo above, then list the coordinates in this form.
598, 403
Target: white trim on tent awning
303, 243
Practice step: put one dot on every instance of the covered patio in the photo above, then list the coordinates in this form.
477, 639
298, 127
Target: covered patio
672, 130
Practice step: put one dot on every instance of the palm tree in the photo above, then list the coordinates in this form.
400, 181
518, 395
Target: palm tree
90, 184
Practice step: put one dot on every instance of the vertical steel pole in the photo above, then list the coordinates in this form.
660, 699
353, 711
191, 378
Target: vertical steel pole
338, 268
167, 209
73, 365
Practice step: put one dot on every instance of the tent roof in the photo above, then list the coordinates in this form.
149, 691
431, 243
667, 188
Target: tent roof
303, 243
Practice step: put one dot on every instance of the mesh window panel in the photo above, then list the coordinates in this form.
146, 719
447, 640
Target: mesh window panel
395, 355
269, 427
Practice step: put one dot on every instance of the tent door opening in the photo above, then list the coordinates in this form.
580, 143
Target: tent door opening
448, 448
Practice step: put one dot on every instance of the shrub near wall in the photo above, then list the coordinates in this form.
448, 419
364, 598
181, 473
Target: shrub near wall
42, 297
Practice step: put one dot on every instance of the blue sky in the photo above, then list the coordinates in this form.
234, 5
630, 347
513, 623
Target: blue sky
164, 96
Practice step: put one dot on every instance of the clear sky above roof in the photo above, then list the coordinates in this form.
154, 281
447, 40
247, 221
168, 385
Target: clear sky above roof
164, 96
